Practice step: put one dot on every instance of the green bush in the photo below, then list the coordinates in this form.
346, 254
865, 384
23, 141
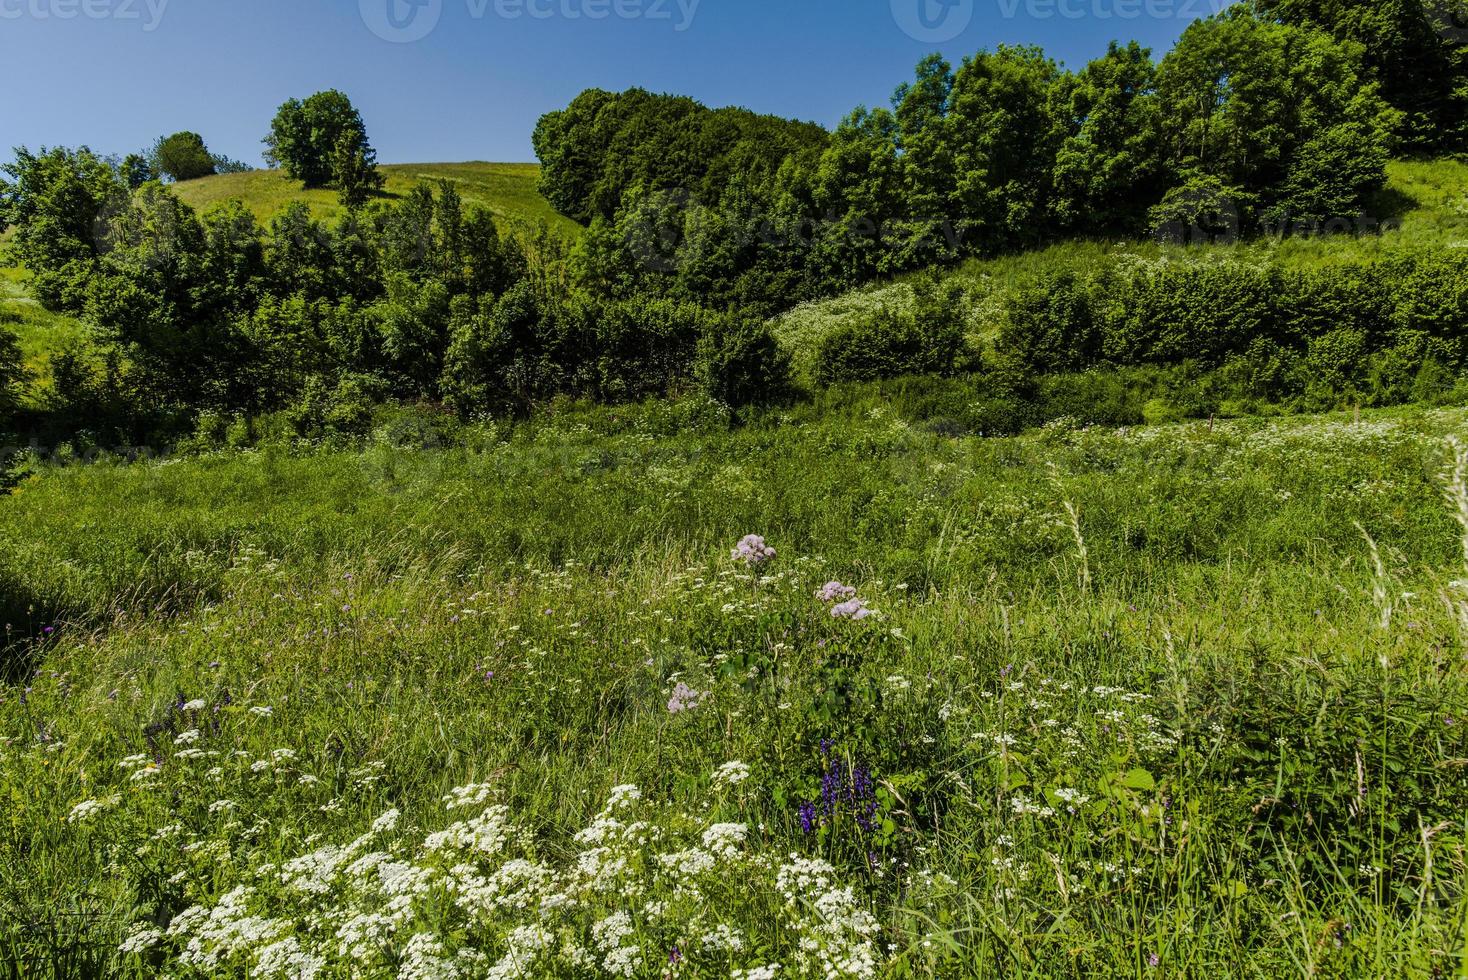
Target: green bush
1050, 324
644, 346
740, 363
12, 375
928, 339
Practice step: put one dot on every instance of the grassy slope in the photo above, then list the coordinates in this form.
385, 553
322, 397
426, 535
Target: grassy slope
515, 614
508, 190
40, 332
1429, 201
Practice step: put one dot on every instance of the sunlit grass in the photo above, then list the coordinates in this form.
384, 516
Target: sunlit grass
508, 190
1130, 705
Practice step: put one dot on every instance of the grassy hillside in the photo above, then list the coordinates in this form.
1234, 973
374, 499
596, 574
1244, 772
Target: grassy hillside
506, 189
1424, 206
41, 333
1182, 702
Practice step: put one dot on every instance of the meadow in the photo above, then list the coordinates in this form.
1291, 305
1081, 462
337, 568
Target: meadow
507, 190
526, 700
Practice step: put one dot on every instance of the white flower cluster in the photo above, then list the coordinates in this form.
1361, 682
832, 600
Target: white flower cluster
475, 899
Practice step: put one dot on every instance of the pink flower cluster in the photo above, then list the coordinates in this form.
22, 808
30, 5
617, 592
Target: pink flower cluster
685, 698
835, 592
752, 550
847, 605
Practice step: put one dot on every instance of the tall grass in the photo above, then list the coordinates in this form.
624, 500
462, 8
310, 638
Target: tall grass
1129, 705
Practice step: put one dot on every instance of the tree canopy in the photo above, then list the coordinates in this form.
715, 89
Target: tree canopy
322, 142
182, 156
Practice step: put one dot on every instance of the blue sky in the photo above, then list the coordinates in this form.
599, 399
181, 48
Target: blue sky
115, 74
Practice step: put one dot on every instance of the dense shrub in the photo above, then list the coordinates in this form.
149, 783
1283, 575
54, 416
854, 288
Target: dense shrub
1340, 334
643, 346
1052, 325
12, 375
740, 362
927, 339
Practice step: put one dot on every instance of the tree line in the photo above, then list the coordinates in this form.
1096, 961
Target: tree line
700, 224
1278, 116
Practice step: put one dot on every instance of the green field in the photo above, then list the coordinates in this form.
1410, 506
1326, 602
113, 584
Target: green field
1185, 701
508, 190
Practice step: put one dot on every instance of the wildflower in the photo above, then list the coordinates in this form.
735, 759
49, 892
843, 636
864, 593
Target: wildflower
623, 796
731, 774
466, 797
87, 809
724, 839
851, 609
195, 705
756, 973
141, 941
835, 592
685, 698
752, 550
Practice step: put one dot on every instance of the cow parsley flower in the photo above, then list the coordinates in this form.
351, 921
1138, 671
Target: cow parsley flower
87, 809
731, 774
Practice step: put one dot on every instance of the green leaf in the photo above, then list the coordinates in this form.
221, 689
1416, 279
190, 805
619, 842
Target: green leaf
1139, 779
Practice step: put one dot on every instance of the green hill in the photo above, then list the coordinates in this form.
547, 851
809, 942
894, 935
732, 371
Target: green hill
1424, 206
508, 190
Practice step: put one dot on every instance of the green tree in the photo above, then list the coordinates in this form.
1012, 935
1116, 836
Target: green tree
354, 170
135, 170
322, 141
60, 202
1109, 161
12, 375
182, 156
1003, 145
1242, 97
1417, 49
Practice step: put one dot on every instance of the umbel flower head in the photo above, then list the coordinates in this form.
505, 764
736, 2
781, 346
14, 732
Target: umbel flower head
752, 550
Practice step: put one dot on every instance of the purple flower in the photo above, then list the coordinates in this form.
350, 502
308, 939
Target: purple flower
835, 592
807, 817
851, 609
685, 698
752, 550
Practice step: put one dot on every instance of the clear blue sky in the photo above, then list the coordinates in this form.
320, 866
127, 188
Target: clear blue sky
115, 74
